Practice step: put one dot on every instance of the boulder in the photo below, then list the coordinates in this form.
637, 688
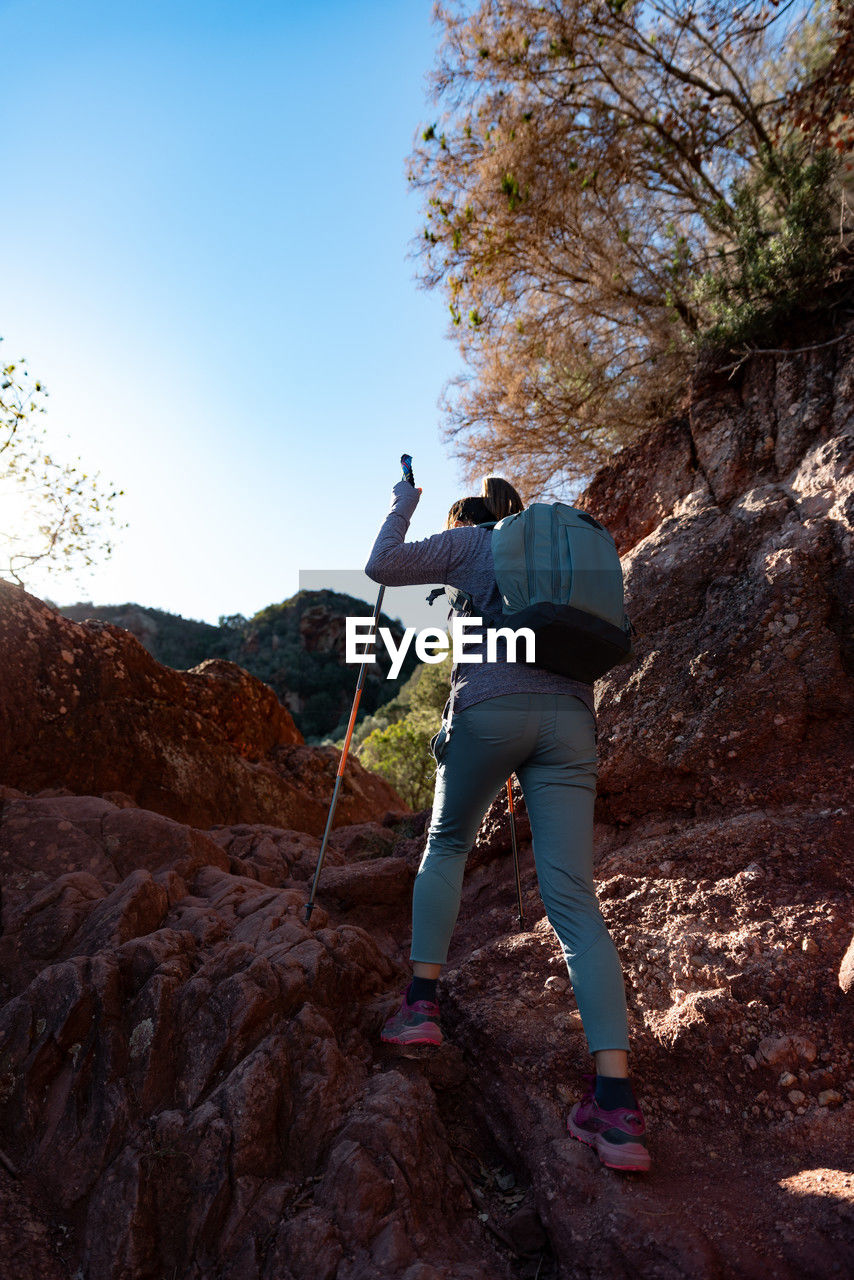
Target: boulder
846, 970
186, 1070
85, 708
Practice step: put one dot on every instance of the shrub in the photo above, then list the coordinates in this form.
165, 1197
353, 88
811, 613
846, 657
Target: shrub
401, 753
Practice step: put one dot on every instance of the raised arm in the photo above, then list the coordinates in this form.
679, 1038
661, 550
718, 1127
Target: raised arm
440, 558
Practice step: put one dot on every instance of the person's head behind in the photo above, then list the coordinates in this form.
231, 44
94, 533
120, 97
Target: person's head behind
497, 499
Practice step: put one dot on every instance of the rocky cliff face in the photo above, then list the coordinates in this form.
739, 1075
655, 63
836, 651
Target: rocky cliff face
735, 527
191, 1077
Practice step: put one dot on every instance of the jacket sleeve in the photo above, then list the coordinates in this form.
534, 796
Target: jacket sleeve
393, 562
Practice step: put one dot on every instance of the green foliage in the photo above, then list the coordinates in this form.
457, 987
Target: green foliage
778, 225
421, 700
401, 753
510, 187
427, 694
232, 621
297, 647
389, 713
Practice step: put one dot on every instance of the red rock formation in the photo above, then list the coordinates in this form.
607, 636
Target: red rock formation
321, 631
84, 708
736, 532
191, 1078
187, 1066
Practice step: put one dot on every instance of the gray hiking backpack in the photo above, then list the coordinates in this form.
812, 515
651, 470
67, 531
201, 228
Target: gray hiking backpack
558, 573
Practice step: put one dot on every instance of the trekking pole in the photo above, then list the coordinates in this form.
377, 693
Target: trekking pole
406, 463
515, 848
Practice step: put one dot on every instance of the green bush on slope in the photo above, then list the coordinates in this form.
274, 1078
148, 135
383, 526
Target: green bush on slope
400, 749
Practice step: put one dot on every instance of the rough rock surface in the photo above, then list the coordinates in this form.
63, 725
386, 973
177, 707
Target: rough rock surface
736, 527
742, 1050
191, 1081
189, 1076
296, 647
31, 1247
84, 708
846, 970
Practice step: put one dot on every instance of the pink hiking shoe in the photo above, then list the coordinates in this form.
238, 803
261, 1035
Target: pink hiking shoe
616, 1136
413, 1024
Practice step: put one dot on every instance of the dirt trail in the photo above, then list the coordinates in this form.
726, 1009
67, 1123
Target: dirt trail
732, 1192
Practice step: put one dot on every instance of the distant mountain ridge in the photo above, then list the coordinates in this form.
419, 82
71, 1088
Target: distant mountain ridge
296, 647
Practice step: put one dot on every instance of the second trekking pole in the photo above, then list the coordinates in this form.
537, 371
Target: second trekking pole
406, 463
515, 848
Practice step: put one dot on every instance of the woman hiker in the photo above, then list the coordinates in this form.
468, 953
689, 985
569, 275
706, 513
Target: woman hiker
505, 718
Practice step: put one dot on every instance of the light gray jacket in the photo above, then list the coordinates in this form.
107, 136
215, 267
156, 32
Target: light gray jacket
460, 558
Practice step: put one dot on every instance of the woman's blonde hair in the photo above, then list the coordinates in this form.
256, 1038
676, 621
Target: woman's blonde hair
497, 499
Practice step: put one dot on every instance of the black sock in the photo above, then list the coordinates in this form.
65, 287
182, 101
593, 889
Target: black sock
613, 1092
421, 989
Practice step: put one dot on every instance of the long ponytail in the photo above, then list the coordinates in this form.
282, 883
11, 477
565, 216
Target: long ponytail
496, 500
500, 498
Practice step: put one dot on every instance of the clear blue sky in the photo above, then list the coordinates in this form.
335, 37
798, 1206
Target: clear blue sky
206, 224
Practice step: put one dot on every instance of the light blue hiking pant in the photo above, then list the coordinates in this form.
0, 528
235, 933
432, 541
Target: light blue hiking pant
548, 741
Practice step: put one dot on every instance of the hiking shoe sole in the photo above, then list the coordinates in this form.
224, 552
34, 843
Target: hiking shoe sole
429, 1033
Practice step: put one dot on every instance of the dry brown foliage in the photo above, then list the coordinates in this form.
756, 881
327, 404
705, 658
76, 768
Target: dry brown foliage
573, 191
